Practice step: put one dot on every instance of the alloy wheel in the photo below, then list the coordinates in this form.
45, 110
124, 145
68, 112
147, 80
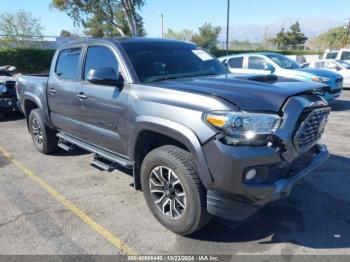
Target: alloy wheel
37, 132
167, 192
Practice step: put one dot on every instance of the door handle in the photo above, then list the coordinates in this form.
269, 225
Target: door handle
53, 91
81, 95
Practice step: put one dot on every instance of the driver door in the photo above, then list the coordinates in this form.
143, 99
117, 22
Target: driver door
103, 107
257, 65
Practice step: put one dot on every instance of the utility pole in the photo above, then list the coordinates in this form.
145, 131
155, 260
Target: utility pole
161, 20
162, 17
347, 33
227, 25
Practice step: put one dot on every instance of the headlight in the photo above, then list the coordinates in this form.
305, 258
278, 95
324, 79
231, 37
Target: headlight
3, 88
320, 79
240, 128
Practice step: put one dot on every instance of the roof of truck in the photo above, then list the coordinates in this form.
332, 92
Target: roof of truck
125, 40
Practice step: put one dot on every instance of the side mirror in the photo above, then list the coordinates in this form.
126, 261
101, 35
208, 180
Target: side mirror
269, 67
338, 68
104, 76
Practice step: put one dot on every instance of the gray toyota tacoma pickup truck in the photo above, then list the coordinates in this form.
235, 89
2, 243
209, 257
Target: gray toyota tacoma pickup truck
198, 141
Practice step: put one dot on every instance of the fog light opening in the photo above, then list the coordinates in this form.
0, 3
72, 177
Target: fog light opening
250, 175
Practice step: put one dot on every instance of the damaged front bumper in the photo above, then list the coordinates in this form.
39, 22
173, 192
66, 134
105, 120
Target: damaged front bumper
276, 168
239, 207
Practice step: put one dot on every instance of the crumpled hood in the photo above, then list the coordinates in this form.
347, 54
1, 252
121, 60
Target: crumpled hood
247, 95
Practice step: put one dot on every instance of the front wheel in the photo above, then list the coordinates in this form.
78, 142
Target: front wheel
44, 138
173, 190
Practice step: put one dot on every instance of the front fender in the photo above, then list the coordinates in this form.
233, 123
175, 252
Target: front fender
178, 132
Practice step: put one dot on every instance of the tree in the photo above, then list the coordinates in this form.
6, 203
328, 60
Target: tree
333, 38
281, 39
266, 40
97, 27
21, 27
65, 33
185, 34
105, 17
295, 36
291, 38
208, 36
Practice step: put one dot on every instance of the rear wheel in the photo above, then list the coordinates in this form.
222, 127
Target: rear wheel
173, 190
44, 138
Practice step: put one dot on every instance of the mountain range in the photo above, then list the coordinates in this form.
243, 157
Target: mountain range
311, 27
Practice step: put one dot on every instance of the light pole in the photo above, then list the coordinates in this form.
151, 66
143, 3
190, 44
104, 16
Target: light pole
161, 20
227, 25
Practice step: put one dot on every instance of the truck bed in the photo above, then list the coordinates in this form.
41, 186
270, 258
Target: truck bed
32, 84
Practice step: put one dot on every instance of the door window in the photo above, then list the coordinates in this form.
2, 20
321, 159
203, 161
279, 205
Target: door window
345, 55
236, 62
257, 63
99, 57
67, 66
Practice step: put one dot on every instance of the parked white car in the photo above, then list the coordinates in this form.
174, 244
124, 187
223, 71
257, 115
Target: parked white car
271, 63
340, 66
341, 54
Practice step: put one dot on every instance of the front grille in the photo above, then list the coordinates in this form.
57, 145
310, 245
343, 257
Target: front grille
311, 127
10, 84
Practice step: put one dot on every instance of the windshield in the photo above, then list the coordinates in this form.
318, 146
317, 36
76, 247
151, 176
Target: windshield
283, 61
344, 64
162, 60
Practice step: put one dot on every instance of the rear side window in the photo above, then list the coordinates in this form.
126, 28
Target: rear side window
67, 66
99, 57
236, 62
256, 62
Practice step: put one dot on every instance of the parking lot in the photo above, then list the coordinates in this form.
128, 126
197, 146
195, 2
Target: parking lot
59, 204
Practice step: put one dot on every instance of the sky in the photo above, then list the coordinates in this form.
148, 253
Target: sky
191, 14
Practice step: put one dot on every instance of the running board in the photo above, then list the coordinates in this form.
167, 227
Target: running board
101, 164
64, 146
101, 153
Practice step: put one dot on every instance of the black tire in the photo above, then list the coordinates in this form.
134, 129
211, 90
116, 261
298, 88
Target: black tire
195, 215
44, 138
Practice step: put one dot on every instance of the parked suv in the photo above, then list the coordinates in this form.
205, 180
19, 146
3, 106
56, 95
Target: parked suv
280, 65
342, 54
199, 141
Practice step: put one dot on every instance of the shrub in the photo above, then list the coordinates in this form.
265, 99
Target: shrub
27, 60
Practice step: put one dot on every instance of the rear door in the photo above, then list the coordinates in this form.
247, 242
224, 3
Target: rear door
103, 107
63, 83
